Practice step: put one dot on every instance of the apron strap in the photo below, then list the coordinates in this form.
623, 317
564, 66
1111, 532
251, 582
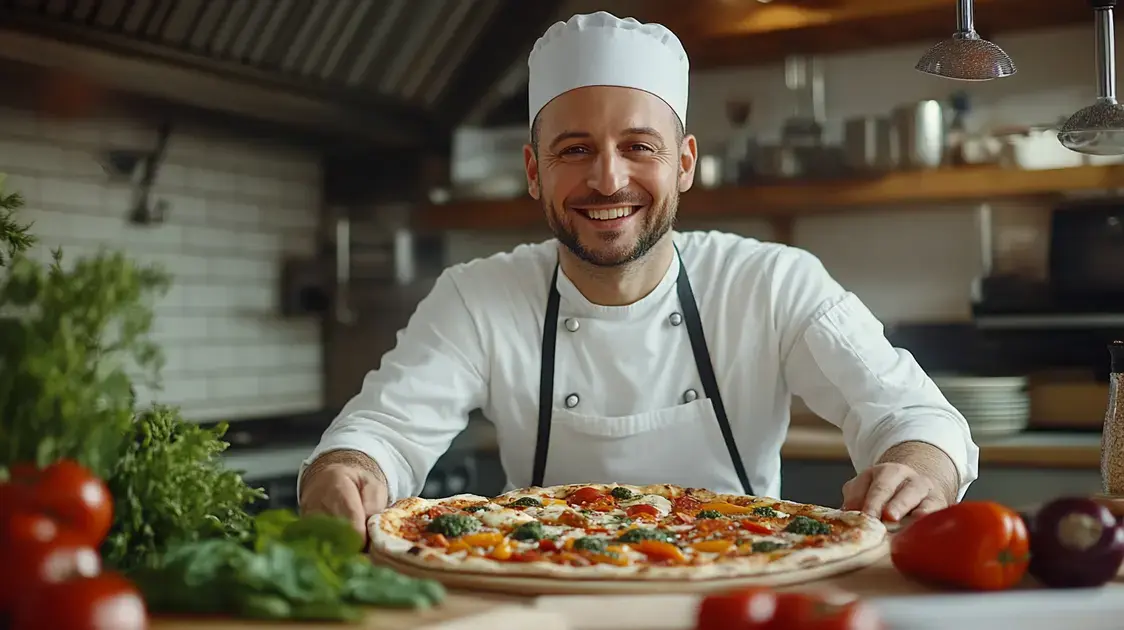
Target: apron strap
702, 363
546, 380
706, 370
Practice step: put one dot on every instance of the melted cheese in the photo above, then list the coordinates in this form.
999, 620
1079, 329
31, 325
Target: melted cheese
552, 531
550, 512
504, 518
654, 500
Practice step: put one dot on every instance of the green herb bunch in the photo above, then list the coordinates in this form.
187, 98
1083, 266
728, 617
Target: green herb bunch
169, 489
15, 237
68, 341
72, 341
305, 568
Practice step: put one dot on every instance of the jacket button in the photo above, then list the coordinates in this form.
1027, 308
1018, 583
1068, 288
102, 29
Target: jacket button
675, 319
572, 401
572, 324
690, 396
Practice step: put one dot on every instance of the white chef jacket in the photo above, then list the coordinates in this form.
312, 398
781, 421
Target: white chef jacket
776, 324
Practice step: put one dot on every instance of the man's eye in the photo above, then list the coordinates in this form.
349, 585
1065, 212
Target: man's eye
640, 147
572, 150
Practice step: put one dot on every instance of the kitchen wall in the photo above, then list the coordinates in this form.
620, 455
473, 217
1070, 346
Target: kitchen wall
916, 266
237, 206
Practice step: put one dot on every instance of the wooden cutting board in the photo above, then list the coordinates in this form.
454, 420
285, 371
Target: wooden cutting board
542, 586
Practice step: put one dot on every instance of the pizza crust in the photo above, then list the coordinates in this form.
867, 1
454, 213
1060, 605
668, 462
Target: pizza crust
864, 533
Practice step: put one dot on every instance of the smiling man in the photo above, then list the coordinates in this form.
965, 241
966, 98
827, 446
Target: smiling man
623, 351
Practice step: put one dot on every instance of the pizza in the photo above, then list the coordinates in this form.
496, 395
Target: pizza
619, 532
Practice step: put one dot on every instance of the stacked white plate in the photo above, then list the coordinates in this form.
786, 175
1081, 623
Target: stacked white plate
993, 405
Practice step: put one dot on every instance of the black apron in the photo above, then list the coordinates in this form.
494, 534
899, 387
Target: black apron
702, 364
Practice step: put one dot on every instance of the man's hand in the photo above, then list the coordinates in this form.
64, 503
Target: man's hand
911, 479
347, 484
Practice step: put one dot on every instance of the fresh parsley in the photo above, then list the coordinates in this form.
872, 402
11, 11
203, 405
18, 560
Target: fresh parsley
171, 488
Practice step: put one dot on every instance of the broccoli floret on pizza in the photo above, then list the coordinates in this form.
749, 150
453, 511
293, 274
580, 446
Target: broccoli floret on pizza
642, 533
622, 494
765, 546
526, 502
528, 531
453, 525
807, 526
709, 514
764, 510
592, 544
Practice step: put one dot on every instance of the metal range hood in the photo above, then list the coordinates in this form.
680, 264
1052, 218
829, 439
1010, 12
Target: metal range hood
393, 72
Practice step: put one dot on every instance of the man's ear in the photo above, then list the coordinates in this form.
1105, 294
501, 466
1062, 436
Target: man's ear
688, 158
531, 164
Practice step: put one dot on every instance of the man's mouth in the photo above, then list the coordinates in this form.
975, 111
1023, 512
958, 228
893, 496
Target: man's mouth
608, 214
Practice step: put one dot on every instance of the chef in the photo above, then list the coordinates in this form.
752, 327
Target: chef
624, 351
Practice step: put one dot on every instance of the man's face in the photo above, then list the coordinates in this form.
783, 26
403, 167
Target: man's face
608, 171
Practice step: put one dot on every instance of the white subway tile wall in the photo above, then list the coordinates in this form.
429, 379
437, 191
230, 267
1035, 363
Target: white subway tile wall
236, 206
914, 266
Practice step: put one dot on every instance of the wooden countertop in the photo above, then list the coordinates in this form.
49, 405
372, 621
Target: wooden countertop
1035, 449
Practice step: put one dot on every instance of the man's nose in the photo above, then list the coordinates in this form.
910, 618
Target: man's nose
608, 173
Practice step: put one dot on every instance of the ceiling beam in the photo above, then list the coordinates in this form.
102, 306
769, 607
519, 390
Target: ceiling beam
137, 67
721, 33
510, 34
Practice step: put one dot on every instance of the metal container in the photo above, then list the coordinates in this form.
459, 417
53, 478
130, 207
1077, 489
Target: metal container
921, 134
869, 144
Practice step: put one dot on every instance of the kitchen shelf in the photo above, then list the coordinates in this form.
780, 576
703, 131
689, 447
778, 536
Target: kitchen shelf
901, 191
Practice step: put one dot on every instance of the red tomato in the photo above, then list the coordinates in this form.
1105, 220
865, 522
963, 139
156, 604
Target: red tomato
76, 497
546, 544
31, 564
22, 527
14, 497
738, 610
103, 602
762, 609
66, 492
976, 545
686, 505
526, 556
642, 509
806, 611
581, 496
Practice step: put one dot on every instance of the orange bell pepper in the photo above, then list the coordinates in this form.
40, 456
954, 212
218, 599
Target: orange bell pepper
660, 550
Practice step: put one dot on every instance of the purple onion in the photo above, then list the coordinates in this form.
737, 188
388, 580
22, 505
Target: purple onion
1075, 543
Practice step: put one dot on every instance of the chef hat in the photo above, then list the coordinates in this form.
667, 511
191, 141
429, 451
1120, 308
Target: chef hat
602, 49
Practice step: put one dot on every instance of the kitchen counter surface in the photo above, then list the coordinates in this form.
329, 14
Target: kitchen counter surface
879, 580
822, 442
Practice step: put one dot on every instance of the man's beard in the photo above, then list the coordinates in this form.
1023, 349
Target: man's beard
658, 221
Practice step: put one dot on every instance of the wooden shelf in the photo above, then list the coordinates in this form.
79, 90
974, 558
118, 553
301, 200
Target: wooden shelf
900, 191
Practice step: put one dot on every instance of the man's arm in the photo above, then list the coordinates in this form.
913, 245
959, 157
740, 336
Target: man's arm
412, 407
837, 359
